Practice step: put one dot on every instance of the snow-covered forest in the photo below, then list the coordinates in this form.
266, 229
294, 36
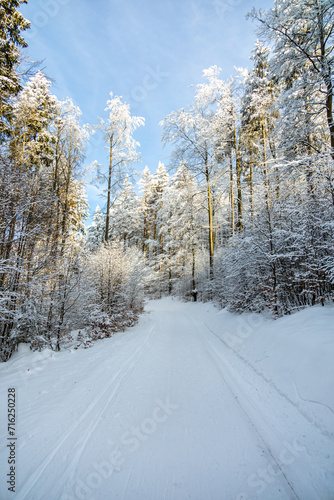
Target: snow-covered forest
242, 214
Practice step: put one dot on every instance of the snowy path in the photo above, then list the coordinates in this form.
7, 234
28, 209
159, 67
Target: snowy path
164, 411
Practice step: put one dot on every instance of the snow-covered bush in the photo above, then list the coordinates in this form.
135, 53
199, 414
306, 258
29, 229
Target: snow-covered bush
114, 279
281, 263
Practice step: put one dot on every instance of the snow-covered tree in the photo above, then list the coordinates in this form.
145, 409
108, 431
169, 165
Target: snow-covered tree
12, 23
154, 208
34, 111
42, 214
117, 132
302, 35
258, 115
144, 185
95, 231
124, 217
182, 216
218, 95
192, 132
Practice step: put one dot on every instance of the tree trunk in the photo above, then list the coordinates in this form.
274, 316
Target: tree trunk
194, 291
326, 72
251, 188
231, 196
265, 166
238, 172
211, 239
106, 234
145, 233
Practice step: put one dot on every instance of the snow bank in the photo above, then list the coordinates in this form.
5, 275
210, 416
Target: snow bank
294, 353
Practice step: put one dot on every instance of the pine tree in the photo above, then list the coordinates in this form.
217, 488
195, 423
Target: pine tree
258, 116
183, 220
96, 230
144, 185
158, 185
12, 23
124, 215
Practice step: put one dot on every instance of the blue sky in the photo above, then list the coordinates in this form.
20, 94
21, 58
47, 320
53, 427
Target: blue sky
148, 51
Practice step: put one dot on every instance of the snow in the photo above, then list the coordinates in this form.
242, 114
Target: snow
192, 403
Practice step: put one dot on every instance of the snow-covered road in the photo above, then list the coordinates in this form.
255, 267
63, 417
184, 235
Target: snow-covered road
171, 409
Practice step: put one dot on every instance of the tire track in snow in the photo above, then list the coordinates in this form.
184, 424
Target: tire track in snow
34, 478
257, 372
315, 434
96, 421
265, 445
